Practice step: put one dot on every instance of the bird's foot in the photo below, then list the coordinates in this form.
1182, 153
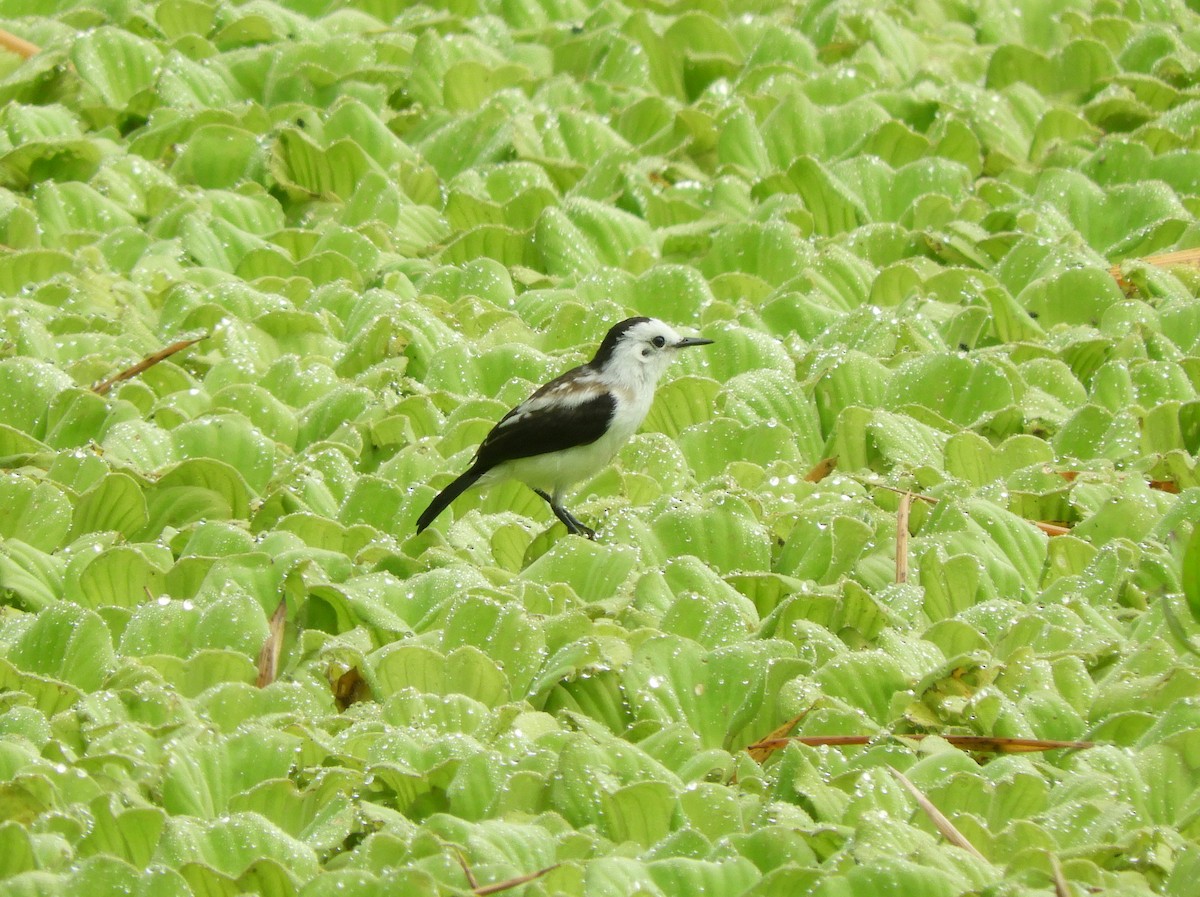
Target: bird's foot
569, 520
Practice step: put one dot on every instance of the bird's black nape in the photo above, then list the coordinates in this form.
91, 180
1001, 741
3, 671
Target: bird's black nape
609, 344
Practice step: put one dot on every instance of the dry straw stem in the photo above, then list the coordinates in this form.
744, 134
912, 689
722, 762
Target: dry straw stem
497, 887
1050, 529
1061, 888
1160, 485
988, 743
1188, 258
466, 868
149, 361
778, 738
902, 513
268, 657
18, 45
943, 824
513, 882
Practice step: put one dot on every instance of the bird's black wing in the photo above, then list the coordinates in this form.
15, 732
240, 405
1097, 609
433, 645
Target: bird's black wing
566, 412
571, 410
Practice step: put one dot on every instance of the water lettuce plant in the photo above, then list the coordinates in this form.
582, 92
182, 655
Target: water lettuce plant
270, 269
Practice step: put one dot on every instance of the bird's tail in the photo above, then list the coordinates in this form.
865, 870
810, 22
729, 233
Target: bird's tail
447, 495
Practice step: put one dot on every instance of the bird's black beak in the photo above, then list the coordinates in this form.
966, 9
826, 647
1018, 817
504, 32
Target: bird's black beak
692, 341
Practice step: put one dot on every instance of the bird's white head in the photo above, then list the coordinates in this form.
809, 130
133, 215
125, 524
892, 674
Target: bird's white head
638, 350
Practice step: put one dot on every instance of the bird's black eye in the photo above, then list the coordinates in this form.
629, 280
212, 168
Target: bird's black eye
659, 342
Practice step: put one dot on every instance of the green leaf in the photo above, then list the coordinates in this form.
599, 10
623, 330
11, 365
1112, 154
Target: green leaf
181, 17
772, 251
771, 397
823, 548
33, 576
465, 671
971, 457
65, 159
121, 577
680, 404
116, 64
115, 502
960, 389
320, 817
232, 619
220, 156
640, 812
724, 532
36, 513
1190, 575
334, 171
270, 416
854, 379
719, 693
27, 387
76, 418
505, 634
202, 779
67, 643
131, 834
234, 440
232, 844
196, 489
1106, 218
740, 350
739, 142
504, 244
687, 875
674, 293
16, 850
72, 207
594, 572
1075, 296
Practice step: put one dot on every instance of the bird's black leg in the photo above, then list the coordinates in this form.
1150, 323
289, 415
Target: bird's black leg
570, 521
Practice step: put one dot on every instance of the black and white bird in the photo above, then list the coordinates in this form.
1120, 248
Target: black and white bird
573, 426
